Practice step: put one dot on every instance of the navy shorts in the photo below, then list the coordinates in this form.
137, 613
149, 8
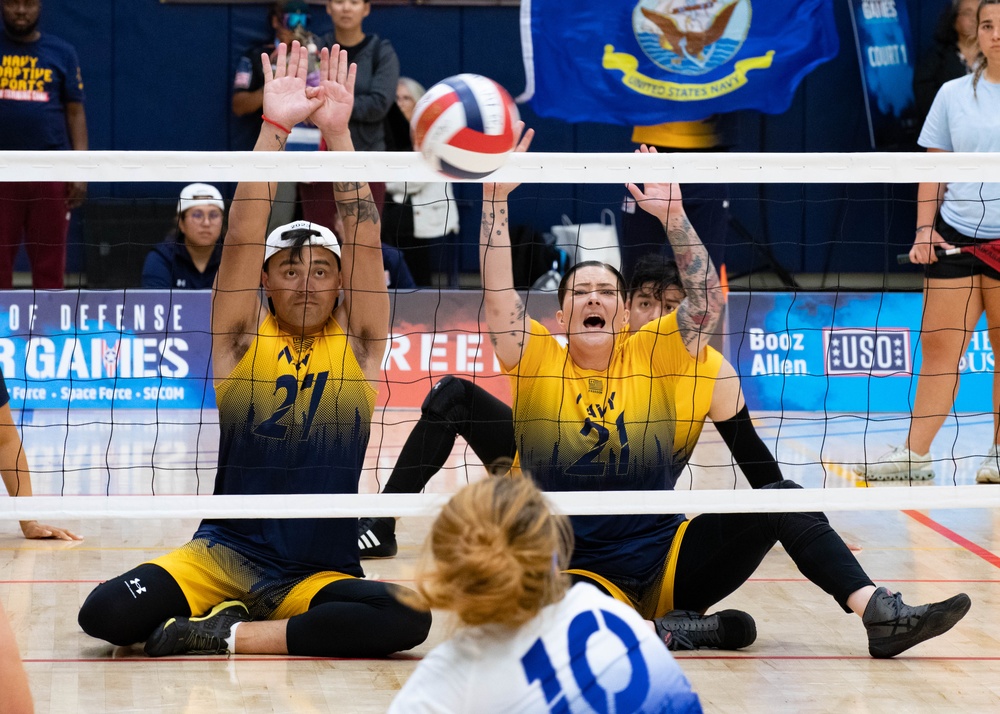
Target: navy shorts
962, 265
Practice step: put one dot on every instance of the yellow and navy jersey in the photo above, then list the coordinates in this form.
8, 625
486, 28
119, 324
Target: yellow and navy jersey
693, 398
295, 417
608, 430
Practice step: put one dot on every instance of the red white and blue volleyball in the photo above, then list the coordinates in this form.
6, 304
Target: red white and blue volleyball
464, 126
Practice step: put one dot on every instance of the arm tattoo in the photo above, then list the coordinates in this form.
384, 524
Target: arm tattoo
490, 222
702, 307
363, 209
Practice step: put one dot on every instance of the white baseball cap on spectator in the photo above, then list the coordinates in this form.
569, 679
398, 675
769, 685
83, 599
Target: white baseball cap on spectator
199, 194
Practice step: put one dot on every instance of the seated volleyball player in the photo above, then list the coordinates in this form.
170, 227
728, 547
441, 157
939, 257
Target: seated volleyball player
458, 406
524, 644
296, 386
600, 414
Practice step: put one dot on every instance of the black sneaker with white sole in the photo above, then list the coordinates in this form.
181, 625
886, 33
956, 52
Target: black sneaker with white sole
724, 630
377, 537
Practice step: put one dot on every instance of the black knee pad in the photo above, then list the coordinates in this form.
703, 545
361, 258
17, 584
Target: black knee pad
126, 609
448, 399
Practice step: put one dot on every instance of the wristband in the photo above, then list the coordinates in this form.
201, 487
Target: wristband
920, 228
276, 124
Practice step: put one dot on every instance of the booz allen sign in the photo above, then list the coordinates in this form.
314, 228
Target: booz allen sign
847, 352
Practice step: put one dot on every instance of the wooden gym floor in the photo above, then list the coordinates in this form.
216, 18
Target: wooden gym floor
809, 655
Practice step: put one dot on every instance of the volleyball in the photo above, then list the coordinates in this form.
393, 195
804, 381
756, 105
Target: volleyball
464, 126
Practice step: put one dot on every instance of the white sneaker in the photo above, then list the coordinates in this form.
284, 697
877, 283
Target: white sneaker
900, 464
989, 470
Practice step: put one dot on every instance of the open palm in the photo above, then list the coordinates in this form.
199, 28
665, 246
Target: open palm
285, 98
662, 200
335, 93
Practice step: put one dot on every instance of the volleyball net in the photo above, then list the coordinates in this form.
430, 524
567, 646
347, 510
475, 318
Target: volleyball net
113, 393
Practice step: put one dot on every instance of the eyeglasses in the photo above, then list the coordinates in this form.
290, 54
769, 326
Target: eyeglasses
210, 216
296, 19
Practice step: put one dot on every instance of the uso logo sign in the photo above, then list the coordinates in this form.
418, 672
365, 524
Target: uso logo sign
878, 352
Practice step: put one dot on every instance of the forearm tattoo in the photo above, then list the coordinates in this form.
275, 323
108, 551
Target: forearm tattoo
491, 224
700, 311
361, 207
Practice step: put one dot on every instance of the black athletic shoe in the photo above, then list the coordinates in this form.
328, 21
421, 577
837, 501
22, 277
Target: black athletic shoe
197, 635
725, 630
377, 537
893, 626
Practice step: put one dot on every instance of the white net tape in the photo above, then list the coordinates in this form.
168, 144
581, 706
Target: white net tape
831, 168
529, 168
579, 503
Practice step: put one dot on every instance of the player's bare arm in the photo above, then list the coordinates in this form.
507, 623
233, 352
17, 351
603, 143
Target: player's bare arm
364, 311
699, 312
237, 311
506, 316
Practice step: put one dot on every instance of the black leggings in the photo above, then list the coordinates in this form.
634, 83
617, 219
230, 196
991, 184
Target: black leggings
720, 551
453, 407
348, 618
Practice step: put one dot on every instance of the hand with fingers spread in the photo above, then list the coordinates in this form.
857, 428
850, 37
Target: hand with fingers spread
286, 102
335, 92
500, 191
662, 200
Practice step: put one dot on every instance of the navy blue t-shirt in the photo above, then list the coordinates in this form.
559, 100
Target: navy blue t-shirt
37, 80
4, 397
169, 265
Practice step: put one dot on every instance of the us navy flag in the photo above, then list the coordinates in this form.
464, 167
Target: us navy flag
644, 62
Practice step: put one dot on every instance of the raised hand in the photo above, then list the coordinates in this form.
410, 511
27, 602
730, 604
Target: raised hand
662, 200
335, 93
500, 191
285, 99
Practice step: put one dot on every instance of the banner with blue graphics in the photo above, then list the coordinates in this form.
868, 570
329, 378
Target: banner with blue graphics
122, 348
847, 352
882, 34
645, 62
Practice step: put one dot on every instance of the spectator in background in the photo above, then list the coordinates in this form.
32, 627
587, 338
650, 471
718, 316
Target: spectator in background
528, 642
417, 217
958, 289
16, 474
374, 92
706, 205
289, 21
41, 109
397, 273
189, 257
952, 56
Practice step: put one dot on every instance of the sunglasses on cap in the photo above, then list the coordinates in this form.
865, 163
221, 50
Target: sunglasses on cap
295, 19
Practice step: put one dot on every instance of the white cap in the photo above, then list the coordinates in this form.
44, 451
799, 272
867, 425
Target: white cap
322, 237
199, 194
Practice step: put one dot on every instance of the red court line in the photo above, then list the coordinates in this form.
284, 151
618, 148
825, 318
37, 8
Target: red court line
954, 537
833, 658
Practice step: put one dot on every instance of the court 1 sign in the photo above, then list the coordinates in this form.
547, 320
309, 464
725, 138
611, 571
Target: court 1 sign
847, 352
